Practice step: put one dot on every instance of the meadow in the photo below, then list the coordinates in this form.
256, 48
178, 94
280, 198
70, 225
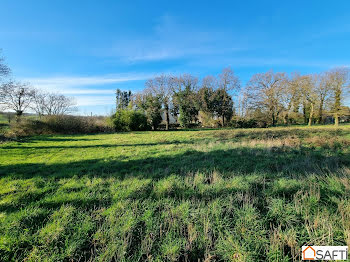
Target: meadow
195, 195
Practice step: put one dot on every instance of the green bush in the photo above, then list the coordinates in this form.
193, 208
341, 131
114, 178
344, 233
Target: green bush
130, 120
77, 124
207, 120
247, 123
27, 127
63, 124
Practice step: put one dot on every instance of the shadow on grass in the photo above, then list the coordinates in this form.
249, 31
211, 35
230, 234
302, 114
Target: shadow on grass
57, 139
174, 142
239, 161
281, 133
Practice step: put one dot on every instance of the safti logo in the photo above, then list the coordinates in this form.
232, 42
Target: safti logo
309, 253
325, 252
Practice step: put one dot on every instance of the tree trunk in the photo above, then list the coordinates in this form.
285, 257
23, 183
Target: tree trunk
320, 113
311, 114
18, 115
286, 119
167, 117
304, 113
337, 106
223, 120
336, 119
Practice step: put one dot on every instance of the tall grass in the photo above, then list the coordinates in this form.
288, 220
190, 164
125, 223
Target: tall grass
211, 195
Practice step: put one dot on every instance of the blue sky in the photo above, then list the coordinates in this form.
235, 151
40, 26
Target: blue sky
87, 49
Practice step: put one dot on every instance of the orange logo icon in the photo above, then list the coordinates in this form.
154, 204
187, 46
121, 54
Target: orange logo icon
309, 253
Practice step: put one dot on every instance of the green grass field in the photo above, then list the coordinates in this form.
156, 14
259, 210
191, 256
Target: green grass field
209, 195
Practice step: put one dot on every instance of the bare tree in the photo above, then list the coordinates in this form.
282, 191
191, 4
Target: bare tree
162, 86
4, 69
165, 86
51, 103
19, 97
339, 81
228, 80
209, 82
57, 104
242, 104
264, 92
189, 81
307, 85
39, 102
292, 94
323, 90
16, 96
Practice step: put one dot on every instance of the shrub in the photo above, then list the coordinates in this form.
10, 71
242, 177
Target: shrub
77, 124
162, 126
63, 124
247, 123
207, 120
130, 120
27, 127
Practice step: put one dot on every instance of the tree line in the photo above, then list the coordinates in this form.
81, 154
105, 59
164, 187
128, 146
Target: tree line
268, 99
19, 97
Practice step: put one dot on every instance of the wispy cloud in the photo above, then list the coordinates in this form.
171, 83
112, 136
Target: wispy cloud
240, 62
87, 90
95, 101
82, 85
171, 39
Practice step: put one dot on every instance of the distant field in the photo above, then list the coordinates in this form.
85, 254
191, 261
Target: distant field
210, 195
